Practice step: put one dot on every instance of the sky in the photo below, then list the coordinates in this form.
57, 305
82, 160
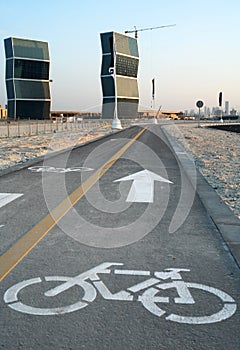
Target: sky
194, 60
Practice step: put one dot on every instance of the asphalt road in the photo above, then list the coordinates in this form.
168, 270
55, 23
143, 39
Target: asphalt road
110, 247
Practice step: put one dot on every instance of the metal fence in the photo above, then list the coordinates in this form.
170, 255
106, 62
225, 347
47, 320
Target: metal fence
31, 127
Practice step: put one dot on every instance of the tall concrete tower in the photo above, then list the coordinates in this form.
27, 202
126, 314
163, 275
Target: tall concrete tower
27, 78
119, 71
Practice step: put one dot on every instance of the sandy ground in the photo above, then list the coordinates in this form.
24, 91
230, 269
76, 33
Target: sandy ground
217, 156
18, 150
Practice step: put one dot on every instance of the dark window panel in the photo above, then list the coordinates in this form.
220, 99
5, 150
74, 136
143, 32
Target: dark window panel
10, 109
27, 69
126, 66
8, 48
30, 49
32, 109
10, 89
106, 42
9, 69
108, 86
32, 89
106, 64
108, 108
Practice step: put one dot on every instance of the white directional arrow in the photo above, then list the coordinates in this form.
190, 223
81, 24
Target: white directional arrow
142, 189
6, 198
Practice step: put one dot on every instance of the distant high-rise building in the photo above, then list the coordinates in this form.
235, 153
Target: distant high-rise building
216, 111
227, 107
27, 78
233, 112
119, 70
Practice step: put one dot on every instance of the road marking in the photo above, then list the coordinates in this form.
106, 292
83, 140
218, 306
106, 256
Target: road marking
142, 189
26, 243
132, 272
51, 169
12, 298
6, 198
150, 294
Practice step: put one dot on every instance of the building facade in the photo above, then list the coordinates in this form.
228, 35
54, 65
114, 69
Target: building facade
120, 60
27, 78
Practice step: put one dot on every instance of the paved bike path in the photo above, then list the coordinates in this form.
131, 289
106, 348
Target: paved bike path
67, 250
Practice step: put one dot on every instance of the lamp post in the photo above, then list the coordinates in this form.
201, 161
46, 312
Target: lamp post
220, 105
116, 123
153, 101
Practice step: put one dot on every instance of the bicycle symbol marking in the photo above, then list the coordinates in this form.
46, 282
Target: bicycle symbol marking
146, 292
51, 169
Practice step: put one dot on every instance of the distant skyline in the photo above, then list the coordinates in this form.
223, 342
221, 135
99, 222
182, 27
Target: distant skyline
196, 59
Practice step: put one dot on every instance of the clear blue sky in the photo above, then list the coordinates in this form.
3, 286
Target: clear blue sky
196, 59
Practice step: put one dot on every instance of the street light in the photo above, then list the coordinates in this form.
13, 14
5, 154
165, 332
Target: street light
220, 105
116, 123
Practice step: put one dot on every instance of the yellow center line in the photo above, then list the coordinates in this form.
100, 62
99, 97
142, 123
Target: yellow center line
26, 243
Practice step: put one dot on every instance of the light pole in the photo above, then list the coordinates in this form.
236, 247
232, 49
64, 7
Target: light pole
116, 123
220, 105
153, 101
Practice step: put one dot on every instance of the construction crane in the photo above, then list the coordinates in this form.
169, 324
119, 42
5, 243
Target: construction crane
140, 30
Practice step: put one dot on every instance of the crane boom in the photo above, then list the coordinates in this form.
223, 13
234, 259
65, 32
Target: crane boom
140, 30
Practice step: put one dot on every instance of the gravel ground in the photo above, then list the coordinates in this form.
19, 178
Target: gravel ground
17, 150
217, 156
